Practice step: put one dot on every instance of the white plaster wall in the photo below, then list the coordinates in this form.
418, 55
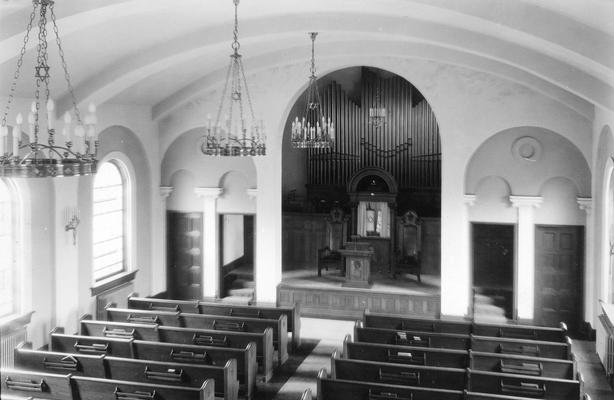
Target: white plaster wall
599, 275
57, 273
233, 237
492, 204
560, 204
470, 107
183, 197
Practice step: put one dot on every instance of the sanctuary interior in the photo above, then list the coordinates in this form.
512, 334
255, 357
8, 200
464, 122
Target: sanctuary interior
460, 169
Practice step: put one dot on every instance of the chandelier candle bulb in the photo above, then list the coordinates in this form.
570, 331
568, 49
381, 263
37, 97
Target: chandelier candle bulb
50, 114
31, 125
79, 139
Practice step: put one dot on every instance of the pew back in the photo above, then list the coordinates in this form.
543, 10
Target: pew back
532, 348
337, 389
397, 374
523, 386
404, 354
62, 343
522, 365
375, 320
411, 338
30, 383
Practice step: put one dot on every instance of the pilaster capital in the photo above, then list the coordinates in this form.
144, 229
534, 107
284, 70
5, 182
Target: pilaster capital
526, 201
470, 200
252, 193
585, 204
208, 192
166, 191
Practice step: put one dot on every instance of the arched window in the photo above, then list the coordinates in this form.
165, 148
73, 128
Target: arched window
111, 219
9, 271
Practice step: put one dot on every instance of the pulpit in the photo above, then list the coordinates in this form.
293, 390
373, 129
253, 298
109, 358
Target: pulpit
357, 264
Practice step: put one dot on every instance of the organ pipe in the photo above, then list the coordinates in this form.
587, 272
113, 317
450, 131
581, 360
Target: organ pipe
407, 146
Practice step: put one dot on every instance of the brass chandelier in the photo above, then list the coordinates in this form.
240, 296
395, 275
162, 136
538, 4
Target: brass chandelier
313, 130
31, 157
233, 135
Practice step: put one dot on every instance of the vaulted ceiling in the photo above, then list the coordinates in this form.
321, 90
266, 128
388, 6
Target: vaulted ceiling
162, 53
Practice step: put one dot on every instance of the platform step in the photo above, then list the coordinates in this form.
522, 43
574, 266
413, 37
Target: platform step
237, 300
243, 292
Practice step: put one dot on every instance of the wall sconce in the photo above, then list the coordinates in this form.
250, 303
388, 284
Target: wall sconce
71, 216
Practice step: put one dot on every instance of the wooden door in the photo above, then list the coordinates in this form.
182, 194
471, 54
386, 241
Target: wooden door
558, 275
184, 255
493, 265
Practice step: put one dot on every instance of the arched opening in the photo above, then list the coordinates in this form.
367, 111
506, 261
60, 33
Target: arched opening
395, 163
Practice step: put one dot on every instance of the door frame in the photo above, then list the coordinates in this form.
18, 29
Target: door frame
514, 264
220, 245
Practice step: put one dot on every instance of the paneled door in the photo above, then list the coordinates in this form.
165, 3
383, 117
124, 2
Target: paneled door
558, 275
184, 255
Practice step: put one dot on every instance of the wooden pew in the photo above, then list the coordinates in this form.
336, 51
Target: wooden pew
127, 369
337, 389
522, 365
165, 352
204, 355
212, 307
202, 321
30, 384
489, 396
23, 384
404, 354
524, 386
411, 338
88, 388
397, 374
58, 362
63, 343
181, 374
400, 322
306, 395
204, 337
532, 348
514, 331
541, 333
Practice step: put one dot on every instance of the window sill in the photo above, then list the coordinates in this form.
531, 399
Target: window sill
112, 282
13, 323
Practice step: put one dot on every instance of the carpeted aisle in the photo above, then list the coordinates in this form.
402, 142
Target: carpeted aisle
320, 339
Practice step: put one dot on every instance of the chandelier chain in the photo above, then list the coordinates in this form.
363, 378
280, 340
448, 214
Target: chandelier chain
221, 106
235, 44
249, 98
313, 54
22, 52
42, 74
65, 66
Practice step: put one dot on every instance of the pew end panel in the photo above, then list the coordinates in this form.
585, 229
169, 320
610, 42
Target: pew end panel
333, 370
30, 384
306, 395
321, 375
346, 339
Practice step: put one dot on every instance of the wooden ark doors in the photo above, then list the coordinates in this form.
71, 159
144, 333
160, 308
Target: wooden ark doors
184, 254
559, 275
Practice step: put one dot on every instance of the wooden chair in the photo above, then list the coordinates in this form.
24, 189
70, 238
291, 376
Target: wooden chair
329, 258
409, 264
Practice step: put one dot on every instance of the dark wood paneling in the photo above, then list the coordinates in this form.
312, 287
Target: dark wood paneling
184, 253
302, 236
558, 275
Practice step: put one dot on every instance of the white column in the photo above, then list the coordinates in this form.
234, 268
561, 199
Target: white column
586, 204
211, 267
525, 257
158, 283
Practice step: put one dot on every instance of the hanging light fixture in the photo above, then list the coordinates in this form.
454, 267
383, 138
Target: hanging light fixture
32, 158
377, 113
313, 130
234, 136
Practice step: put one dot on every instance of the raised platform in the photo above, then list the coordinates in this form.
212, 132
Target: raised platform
324, 297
